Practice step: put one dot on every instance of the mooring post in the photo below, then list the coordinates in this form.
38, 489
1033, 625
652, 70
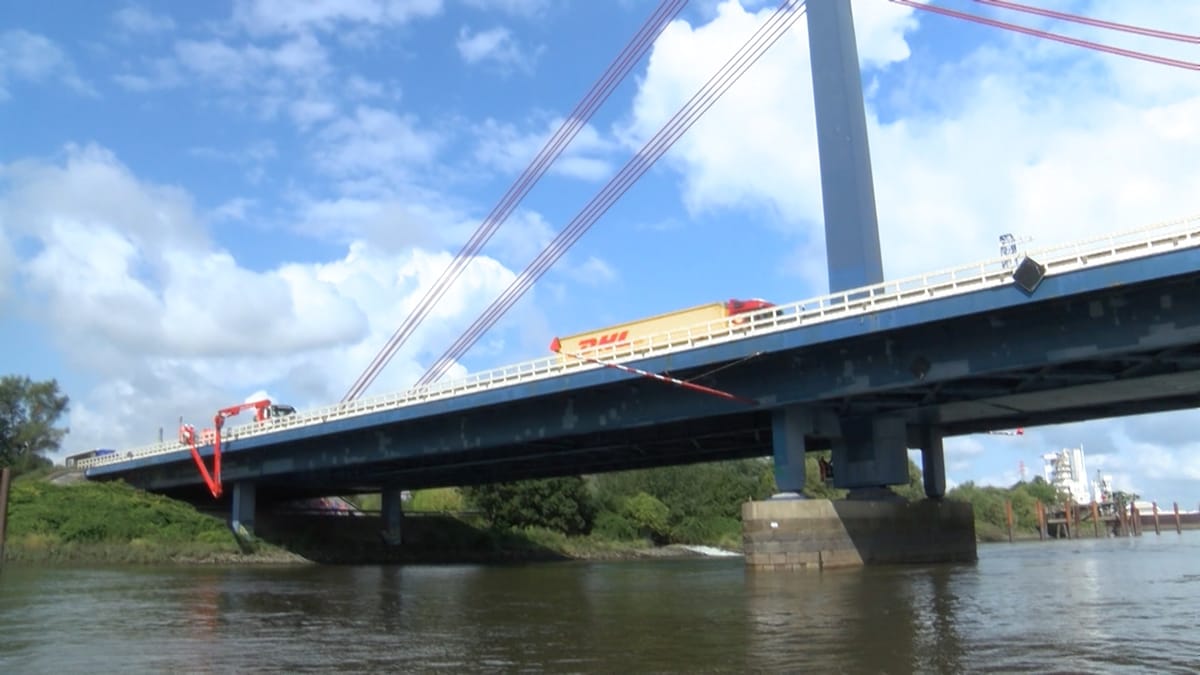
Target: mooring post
1041, 518
1154, 508
5, 475
1095, 519
1178, 525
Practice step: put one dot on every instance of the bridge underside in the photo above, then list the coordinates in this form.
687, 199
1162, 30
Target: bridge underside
1120, 350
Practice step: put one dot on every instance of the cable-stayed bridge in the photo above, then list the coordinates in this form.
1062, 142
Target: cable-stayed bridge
1113, 327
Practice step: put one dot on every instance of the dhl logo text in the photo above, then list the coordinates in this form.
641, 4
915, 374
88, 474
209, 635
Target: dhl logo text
600, 341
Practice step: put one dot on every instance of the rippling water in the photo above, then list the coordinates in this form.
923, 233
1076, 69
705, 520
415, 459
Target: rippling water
1115, 605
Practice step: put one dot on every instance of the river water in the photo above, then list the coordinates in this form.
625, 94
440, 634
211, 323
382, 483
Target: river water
1112, 605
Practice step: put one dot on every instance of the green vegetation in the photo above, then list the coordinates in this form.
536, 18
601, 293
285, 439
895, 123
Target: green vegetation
559, 504
29, 412
690, 504
991, 521
108, 522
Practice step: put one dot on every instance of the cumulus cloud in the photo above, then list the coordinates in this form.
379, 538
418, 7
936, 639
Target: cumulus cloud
967, 152
514, 7
29, 57
136, 20
375, 141
495, 46
508, 149
166, 323
283, 16
233, 67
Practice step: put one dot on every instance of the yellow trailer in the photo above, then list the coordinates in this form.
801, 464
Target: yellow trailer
672, 328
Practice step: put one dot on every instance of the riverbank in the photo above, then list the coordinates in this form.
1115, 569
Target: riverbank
113, 523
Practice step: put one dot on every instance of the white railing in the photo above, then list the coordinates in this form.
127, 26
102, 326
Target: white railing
1142, 242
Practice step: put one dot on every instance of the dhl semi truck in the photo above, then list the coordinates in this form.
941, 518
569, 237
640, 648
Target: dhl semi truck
670, 328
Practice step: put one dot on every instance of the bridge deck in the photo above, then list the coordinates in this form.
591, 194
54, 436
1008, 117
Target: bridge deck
860, 302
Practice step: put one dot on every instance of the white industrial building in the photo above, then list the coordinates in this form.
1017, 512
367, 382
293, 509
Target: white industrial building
1067, 471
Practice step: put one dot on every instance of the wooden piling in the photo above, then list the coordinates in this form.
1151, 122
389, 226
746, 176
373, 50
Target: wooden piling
1154, 507
1178, 523
1095, 519
1008, 516
1041, 517
5, 476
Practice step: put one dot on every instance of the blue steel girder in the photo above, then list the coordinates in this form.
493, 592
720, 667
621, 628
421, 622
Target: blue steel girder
1118, 339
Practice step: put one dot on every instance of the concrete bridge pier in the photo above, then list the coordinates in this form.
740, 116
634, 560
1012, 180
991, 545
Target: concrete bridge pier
241, 518
789, 427
933, 459
872, 526
393, 516
869, 454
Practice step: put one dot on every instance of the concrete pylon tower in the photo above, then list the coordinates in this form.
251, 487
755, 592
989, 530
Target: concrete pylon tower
847, 189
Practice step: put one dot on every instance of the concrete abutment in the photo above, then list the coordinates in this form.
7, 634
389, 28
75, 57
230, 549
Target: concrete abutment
797, 534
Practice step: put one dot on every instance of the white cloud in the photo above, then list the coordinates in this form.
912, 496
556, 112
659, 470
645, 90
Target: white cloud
30, 57
308, 111
165, 323
284, 16
593, 272
514, 7
161, 73
998, 142
359, 87
8, 261
375, 141
141, 21
232, 67
232, 209
494, 45
388, 221
507, 149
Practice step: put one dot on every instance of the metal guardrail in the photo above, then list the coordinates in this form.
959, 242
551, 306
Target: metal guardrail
1138, 243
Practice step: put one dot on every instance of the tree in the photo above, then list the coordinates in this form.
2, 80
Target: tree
1042, 491
29, 412
562, 504
649, 515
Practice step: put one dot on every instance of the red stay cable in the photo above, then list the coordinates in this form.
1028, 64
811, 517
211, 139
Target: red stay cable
1098, 23
572, 124
1129, 53
788, 12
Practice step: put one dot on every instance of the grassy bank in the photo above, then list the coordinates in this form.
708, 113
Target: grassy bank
114, 523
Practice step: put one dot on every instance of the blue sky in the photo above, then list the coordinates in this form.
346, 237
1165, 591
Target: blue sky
204, 201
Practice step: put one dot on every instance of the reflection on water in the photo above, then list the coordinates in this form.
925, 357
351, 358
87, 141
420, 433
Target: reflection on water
1086, 605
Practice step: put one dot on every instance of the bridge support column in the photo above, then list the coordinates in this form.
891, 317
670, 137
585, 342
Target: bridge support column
874, 525
933, 461
393, 516
241, 519
869, 455
788, 426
